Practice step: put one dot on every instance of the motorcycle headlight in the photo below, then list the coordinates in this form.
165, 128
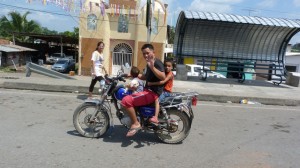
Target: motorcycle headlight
102, 84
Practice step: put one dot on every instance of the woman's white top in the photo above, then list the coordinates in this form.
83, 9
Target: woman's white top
98, 59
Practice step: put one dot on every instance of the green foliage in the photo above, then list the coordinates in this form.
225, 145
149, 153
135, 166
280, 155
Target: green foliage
15, 22
296, 47
170, 34
46, 31
6, 69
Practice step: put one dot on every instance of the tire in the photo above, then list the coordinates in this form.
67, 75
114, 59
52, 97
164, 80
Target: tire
181, 132
87, 127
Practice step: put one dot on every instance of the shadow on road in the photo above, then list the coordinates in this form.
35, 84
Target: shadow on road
140, 139
74, 133
82, 97
118, 135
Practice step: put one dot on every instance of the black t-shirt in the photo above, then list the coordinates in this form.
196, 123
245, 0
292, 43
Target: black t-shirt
150, 77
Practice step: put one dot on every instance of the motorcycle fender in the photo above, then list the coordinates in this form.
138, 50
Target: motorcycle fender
188, 110
95, 101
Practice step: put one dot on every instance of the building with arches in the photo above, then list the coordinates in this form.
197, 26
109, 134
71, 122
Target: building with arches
121, 25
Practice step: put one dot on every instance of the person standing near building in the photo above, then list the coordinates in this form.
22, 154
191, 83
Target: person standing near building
97, 67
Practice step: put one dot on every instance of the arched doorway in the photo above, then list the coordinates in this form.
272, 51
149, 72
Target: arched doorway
121, 55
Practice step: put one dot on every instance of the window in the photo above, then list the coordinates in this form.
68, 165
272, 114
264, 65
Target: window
91, 22
123, 24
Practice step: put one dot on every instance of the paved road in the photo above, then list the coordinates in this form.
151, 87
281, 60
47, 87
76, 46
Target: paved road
37, 131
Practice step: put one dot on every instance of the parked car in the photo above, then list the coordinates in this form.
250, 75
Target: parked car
64, 65
56, 56
197, 71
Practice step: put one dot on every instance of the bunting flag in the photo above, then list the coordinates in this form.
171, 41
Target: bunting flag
165, 17
142, 14
128, 12
80, 4
111, 10
137, 12
158, 13
102, 8
91, 6
118, 9
153, 6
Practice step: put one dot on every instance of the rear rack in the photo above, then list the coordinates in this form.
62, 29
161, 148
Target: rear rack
178, 98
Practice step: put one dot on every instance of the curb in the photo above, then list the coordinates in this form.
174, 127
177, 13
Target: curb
202, 97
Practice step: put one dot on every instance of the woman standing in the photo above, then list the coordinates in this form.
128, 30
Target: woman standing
97, 67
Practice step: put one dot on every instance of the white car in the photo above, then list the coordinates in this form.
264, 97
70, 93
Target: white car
197, 71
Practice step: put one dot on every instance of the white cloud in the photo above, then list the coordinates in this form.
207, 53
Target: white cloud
54, 22
219, 6
296, 2
4, 12
267, 3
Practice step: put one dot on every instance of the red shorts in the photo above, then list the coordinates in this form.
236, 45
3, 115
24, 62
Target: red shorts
139, 99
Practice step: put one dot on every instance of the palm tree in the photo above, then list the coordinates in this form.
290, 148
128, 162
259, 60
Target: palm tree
19, 24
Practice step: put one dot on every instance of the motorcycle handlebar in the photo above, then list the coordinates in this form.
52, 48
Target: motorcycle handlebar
119, 77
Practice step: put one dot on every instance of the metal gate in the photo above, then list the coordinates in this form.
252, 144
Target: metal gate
121, 55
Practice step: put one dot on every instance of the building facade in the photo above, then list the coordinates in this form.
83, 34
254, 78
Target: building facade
121, 25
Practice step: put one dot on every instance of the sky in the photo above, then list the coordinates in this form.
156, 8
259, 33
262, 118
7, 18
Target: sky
55, 17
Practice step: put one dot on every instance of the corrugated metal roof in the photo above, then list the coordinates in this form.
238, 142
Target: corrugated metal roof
14, 48
8, 49
241, 19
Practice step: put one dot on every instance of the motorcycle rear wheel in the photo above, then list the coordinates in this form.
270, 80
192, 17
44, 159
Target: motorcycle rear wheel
86, 125
176, 133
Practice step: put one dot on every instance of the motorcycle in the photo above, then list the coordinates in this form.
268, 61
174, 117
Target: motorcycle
94, 117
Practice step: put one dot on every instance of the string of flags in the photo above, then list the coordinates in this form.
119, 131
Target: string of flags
116, 10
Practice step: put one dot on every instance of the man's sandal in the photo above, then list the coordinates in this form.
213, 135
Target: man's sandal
133, 131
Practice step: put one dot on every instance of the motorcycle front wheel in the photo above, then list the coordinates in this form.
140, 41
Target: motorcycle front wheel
178, 129
87, 125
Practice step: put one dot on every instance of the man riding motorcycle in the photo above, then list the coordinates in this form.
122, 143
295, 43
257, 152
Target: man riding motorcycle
154, 72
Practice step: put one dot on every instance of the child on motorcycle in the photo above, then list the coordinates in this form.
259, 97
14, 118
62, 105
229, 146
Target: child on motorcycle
136, 85
168, 85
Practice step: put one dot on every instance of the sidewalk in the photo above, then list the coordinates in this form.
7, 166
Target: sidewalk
219, 90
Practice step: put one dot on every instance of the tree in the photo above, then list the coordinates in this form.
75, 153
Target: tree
296, 47
19, 24
170, 34
46, 31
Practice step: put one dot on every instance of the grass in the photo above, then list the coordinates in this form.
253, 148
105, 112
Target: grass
7, 69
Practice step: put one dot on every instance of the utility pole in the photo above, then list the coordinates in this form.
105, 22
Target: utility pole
249, 11
148, 20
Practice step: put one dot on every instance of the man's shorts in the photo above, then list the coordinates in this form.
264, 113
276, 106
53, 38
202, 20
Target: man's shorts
139, 99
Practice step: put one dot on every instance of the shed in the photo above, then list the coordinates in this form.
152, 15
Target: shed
13, 54
237, 46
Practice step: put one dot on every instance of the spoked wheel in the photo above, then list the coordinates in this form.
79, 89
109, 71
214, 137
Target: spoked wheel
179, 128
86, 124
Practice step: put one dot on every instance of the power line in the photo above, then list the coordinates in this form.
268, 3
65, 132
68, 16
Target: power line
36, 10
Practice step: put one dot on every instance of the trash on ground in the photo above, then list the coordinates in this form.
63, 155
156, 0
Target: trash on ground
245, 101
